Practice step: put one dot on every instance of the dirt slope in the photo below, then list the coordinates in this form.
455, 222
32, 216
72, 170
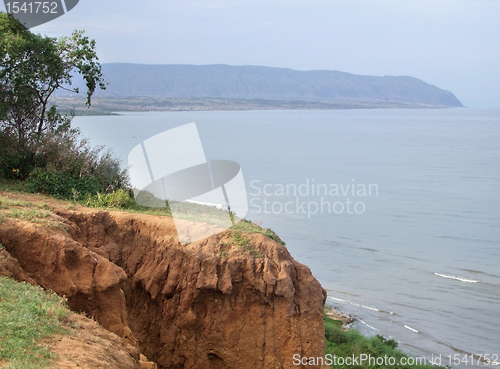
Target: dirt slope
93, 347
209, 304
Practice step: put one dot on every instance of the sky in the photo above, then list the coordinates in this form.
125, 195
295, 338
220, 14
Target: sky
453, 44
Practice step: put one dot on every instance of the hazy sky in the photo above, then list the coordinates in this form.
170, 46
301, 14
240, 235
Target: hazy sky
454, 44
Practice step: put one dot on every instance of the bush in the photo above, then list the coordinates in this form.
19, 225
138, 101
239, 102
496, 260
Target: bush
119, 199
62, 185
353, 343
63, 151
334, 332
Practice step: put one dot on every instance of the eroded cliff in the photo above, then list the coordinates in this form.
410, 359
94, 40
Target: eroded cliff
209, 304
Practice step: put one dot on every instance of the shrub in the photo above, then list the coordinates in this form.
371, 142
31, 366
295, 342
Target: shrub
353, 343
119, 199
334, 332
61, 185
87, 185
65, 151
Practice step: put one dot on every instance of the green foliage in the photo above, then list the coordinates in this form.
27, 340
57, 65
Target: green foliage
147, 199
32, 133
28, 314
388, 342
119, 199
348, 343
334, 332
34, 66
61, 185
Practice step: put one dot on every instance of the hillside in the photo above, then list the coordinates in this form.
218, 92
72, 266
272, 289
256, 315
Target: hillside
254, 82
38, 331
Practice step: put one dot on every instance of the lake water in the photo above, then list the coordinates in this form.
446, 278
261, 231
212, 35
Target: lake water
413, 252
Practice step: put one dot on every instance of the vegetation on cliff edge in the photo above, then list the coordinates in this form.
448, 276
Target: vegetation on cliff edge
341, 343
28, 314
37, 141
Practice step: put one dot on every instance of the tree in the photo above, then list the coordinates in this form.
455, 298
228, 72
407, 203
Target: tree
32, 68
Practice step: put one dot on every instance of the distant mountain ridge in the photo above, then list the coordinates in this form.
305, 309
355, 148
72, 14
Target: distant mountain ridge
250, 82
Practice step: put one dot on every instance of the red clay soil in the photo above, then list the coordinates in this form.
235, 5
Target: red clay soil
93, 347
208, 304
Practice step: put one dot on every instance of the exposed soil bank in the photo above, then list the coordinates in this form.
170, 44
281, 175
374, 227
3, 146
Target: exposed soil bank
89, 347
208, 304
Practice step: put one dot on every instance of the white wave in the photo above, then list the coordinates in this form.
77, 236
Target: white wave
369, 326
457, 278
336, 299
411, 329
217, 206
354, 304
369, 308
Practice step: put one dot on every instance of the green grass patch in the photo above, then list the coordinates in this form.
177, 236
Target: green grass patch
249, 227
12, 185
26, 210
237, 239
345, 344
27, 315
29, 215
5, 203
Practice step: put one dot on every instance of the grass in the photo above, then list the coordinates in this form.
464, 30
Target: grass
27, 315
29, 215
237, 239
6, 202
26, 210
249, 227
351, 342
120, 200
11, 185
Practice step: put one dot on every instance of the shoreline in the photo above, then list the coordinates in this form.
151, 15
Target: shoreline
335, 314
109, 105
